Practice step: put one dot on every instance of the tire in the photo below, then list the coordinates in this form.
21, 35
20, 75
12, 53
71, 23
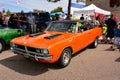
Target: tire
94, 44
65, 58
2, 46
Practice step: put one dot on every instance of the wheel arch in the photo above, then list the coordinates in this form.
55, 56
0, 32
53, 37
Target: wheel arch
3, 44
3, 40
63, 50
94, 44
69, 48
60, 60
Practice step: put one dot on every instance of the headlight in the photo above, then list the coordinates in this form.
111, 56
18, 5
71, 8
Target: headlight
13, 45
44, 51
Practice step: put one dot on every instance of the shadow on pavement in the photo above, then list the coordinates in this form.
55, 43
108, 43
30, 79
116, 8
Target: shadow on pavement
110, 49
79, 52
26, 66
118, 59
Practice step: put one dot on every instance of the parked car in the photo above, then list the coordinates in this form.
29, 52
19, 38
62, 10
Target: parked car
58, 42
6, 35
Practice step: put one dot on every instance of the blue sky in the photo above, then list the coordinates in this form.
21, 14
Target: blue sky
29, 5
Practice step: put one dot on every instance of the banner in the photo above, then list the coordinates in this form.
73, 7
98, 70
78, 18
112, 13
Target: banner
85, 12
81, 1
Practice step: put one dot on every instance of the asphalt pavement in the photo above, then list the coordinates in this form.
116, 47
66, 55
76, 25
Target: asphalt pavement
101, 63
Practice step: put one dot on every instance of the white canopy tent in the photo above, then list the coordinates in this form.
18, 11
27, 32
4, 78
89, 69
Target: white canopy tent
76, 7
89, 10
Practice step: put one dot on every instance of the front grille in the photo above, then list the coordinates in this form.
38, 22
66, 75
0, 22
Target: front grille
31, 49
27, 50
30, 52
20, 47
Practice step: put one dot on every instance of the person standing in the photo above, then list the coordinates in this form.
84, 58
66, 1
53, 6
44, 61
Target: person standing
23, 23
14, 21
38, 19
111, 23
97, 23
31, 23
6, 20
1, 20
82, 17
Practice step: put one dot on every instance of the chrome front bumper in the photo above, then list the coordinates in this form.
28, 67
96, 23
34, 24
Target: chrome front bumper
28, 54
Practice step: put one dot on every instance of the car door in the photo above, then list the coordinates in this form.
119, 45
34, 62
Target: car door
81, 38
89, 33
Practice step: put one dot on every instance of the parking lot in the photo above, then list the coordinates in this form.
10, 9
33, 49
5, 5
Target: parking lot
101, 63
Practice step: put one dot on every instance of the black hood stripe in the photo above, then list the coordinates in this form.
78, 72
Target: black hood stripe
52, 36
36, 34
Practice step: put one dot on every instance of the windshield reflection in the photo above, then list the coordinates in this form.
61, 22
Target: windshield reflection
62, 27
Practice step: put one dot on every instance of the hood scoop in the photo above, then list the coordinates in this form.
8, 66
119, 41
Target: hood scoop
52, 36
36, 34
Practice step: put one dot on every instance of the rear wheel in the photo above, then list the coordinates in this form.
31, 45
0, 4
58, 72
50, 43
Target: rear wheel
2, 45
65, 58
94, 44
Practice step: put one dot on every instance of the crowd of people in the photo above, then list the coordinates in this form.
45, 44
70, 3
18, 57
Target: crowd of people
111, 27
28, 22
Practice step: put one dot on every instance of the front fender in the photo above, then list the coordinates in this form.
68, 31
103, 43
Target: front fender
56, 49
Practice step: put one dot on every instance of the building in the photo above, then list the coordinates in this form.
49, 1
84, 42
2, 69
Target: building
104, 4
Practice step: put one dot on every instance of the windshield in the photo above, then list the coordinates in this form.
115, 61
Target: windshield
62, 27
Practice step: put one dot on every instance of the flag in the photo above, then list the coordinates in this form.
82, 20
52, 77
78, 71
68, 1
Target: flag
18, 1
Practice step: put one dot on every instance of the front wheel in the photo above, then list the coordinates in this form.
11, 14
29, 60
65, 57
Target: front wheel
65, 58
2, 46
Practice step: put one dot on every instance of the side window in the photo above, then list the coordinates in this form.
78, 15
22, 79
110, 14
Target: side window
80, 27
72, 28
86, 26
89, 26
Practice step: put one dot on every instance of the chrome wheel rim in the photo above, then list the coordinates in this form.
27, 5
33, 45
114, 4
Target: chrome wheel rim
96, 42
0, 46
66, 57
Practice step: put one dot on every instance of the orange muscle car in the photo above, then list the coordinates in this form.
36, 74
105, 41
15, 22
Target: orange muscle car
58, 42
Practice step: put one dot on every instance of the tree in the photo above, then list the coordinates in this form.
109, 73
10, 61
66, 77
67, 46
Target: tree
58, 9
69, 5
37, 10
114, 3
8, 13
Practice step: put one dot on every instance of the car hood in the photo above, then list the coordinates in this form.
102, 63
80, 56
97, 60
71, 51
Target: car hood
42, 40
